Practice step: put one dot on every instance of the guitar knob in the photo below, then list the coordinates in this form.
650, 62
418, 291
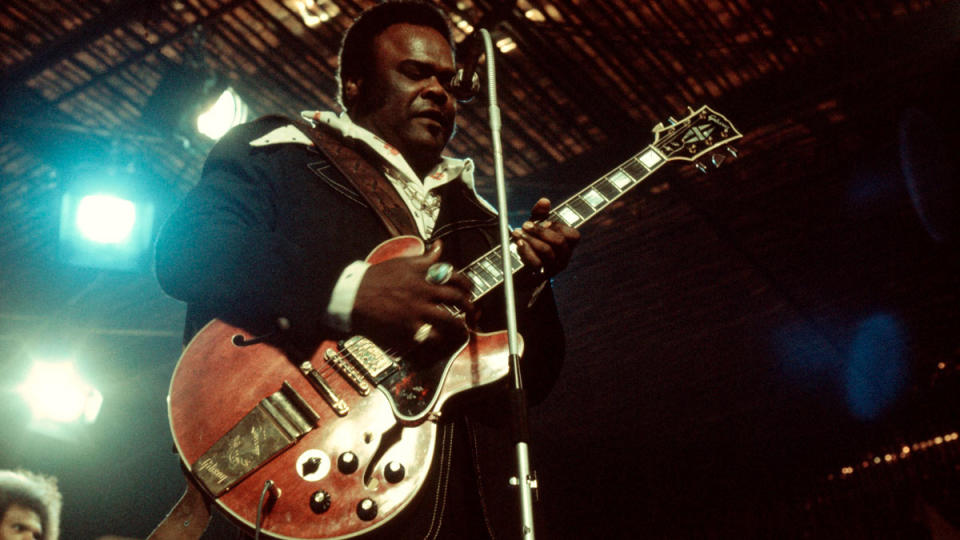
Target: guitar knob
347, 462
320, 502
366, 509
394, 472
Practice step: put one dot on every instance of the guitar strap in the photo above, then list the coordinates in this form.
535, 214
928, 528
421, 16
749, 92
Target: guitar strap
364, 177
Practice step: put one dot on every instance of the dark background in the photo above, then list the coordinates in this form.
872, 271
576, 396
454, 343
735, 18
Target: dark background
736, 339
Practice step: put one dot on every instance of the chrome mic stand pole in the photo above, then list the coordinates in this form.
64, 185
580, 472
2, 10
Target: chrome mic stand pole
524, 480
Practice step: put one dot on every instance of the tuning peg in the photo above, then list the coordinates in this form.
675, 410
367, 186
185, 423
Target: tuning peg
701, 167
717, 159
733, 151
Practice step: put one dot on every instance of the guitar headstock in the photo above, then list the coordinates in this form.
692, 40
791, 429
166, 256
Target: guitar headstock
701, 132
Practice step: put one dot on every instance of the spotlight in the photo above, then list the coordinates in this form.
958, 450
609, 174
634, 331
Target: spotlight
228, 111
105, 219
191, 99
55, 392
316, 12
105, 224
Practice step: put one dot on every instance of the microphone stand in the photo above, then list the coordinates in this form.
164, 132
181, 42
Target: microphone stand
518, 403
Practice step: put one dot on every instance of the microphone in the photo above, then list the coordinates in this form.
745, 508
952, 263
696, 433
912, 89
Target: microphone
465, 83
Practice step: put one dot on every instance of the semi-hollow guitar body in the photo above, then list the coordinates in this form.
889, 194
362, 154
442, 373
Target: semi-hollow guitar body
346, 439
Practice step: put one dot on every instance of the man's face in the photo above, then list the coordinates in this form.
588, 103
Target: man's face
404, 99
20, 523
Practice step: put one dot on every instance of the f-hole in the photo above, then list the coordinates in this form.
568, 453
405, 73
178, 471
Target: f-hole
389, 438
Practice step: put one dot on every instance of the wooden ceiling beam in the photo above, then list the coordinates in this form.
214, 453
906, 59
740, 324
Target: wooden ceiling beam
861, 60
108, 20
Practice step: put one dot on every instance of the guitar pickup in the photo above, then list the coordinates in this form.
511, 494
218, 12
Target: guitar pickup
375, 364
322, 387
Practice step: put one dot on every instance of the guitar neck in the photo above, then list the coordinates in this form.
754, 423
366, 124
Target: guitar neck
486, 273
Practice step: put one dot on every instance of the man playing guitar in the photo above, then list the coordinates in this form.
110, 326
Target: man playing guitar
275, 231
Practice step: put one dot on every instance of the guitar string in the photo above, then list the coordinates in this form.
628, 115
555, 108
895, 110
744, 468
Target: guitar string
329, 368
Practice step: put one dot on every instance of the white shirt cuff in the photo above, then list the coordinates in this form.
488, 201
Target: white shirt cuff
344, 294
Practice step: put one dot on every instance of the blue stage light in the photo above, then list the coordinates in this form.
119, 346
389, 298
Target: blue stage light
55, 392
104, 229
106, 219
877, 366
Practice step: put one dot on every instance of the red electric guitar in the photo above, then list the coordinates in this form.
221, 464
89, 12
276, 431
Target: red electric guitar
340, 444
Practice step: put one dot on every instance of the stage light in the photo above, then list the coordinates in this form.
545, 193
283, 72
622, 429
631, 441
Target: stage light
316, 12
873, 371
191, 100
228, 111
876, 367
535, 15
465, 25
506, 45
55, 392
105, 219
104, 223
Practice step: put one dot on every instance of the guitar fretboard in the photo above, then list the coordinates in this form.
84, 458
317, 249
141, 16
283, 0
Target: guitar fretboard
487, 272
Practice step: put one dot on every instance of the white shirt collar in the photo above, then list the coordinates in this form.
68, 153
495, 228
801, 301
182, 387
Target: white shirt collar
453, 167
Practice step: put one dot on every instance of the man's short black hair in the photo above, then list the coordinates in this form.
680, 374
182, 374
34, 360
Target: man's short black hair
356, 50
36, 492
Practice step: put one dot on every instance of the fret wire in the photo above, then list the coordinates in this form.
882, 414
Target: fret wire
484, 275
492, 259
621, 180
476, 291
594, 198
476, 267
611, 186
574, 212
581, 207
478, 287
568, 215
651, 159
607, 189
635, 169
516, 262
495, 271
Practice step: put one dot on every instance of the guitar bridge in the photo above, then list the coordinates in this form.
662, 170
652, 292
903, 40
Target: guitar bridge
272, 426
322, 387
345, 368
